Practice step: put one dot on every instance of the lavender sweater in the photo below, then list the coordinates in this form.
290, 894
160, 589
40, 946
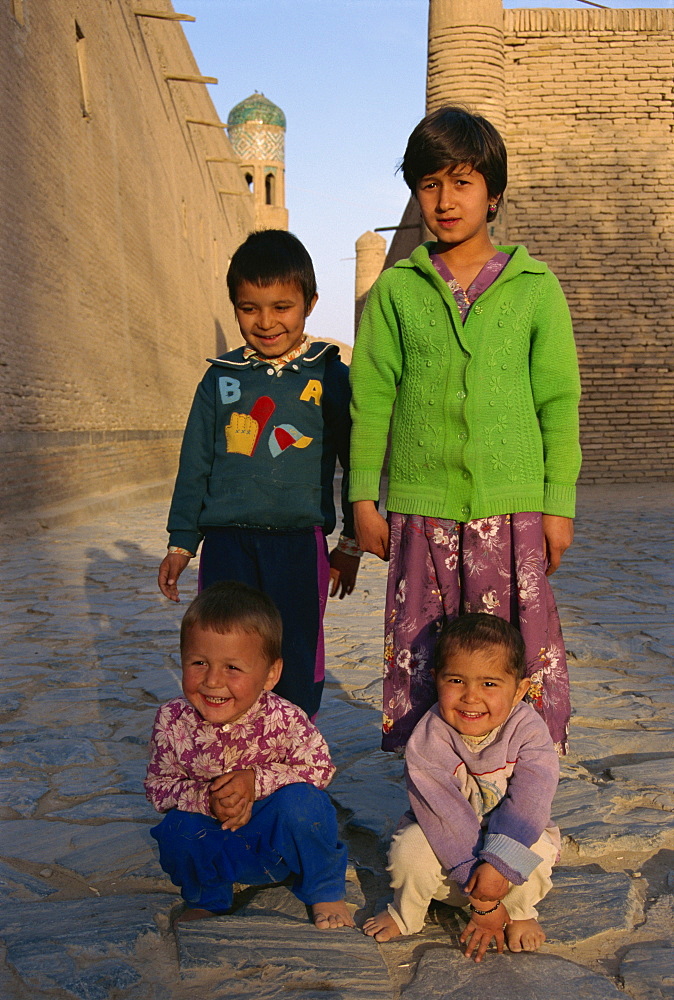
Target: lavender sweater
488, 802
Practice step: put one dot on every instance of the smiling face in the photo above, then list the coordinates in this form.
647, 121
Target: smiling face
271, 317
454, 203
225, 673
475, 692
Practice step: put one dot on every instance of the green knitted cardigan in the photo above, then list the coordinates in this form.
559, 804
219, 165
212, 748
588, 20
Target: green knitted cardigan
485, 414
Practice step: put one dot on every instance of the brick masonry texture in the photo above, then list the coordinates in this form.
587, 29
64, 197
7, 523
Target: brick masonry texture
590, 116
116, 237
585, 100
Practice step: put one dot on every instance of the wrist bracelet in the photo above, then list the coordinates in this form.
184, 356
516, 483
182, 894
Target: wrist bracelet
483, 913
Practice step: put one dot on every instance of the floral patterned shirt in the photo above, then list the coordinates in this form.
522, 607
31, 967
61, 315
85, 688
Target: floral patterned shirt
487, 276
274, 738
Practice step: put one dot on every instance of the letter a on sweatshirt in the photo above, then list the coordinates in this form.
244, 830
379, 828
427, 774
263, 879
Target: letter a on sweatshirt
312, 390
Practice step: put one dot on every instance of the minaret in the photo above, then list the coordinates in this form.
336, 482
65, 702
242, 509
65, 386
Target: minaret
466, 57
256, 129
370, 257
466, 65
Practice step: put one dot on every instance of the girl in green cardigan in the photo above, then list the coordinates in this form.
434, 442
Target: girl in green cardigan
465, 358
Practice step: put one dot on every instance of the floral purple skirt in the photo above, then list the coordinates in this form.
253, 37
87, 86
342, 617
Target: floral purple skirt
440, 569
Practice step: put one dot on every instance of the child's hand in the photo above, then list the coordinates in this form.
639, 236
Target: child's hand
343, 572
487, 884
240, 815
170, 569
557, 536
481, 930
231, 798
372, 531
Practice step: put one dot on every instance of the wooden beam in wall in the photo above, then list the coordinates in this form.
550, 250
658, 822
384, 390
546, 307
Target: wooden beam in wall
190, 78
164, 15
203, 121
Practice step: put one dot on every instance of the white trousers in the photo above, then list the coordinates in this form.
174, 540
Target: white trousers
417, 877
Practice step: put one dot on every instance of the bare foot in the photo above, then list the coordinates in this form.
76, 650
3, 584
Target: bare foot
331, 916
382, 927
524, 935
192, 913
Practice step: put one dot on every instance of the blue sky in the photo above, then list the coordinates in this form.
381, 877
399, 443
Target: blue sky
350, 77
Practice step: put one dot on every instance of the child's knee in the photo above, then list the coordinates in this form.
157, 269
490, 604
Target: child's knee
409, 849
303, 803
304, 812
177, 825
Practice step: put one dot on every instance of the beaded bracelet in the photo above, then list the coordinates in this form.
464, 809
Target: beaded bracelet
483, 913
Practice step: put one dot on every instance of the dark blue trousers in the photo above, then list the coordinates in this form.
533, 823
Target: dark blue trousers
292, 568
291, 832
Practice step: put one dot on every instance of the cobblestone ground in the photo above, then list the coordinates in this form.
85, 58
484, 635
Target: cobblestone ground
90, 650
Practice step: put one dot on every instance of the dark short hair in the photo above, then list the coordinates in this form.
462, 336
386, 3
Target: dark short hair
270, 257
451, 136
471, 632
235, 607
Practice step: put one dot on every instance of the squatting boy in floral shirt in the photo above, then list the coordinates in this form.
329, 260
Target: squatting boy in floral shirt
240, 771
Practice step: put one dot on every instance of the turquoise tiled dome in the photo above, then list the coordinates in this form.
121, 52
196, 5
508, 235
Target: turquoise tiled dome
256, 108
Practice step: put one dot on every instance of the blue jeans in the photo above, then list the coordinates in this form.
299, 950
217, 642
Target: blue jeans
291, 832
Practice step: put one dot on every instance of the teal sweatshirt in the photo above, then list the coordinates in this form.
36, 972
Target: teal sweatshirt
277, 470
483, 416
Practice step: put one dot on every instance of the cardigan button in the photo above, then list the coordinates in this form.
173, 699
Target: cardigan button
270, 371
466, 475
465, 509
460, 394
462, 436
478, 309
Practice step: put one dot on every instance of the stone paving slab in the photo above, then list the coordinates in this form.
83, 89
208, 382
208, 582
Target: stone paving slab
20, 792
84, 947
602, 748
91, 651
350, 732
586, 901
17, 885
280, 956
634, 830
648, 971
48, 752
107, 808
372, 791
445, 974
83, 849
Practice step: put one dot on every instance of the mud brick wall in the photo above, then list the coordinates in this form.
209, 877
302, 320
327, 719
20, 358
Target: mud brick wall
589, 127
117, 221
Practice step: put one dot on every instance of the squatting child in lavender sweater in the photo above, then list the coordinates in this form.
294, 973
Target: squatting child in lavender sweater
481, 772
240, 771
